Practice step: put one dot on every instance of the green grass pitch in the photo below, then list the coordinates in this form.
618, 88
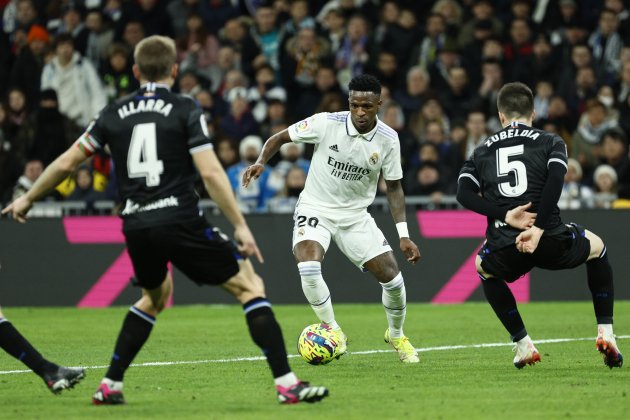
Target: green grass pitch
470, 382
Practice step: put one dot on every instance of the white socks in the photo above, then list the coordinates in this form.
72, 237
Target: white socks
605, 330
316, 292
113, 385
287, 380
395, 304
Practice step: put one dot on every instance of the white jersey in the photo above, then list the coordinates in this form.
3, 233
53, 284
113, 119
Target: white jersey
346, 165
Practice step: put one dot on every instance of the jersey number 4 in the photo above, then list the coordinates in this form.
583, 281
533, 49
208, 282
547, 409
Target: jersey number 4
505, 166
142, 160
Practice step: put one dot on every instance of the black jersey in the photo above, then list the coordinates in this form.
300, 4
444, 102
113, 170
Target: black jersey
151, 135
510, 168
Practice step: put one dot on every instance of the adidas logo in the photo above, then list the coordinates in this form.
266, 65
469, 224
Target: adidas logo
334, 148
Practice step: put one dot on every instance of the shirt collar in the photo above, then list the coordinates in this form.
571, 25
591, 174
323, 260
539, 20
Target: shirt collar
152, 86
516, 124
352, 131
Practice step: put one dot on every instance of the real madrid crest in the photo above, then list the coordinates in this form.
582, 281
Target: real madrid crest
374, 158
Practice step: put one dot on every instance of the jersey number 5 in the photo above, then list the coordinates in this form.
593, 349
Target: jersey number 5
142, 160
505, 166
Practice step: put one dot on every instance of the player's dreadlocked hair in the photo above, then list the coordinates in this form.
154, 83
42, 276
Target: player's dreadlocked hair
365, 83
515, 100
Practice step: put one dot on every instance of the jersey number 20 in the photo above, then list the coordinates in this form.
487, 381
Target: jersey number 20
505, 166
142, 160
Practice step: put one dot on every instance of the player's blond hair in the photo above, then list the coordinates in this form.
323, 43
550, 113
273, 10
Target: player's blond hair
155, 57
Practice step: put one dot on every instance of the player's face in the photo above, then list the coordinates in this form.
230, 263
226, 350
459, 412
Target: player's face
363, 109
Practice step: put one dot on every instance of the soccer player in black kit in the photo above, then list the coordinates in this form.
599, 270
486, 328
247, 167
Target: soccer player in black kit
517, 169
158, 140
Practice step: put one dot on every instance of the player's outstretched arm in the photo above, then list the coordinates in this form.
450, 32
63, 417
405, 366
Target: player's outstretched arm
396, 200
270, 148
54, 173
220, 189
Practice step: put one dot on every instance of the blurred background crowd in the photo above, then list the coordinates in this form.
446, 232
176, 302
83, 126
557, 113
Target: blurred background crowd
255, 67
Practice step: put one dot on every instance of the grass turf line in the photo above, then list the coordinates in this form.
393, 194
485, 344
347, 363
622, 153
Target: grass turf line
475, 382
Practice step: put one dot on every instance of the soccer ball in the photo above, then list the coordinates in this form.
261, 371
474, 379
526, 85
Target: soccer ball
318, 344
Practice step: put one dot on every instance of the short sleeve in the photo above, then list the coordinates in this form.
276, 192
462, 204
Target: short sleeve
469, 171
310, 130
392, 169
94, 137
197, 127
558, 152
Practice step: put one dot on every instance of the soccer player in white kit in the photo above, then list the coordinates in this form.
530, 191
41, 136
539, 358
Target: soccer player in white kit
351, 150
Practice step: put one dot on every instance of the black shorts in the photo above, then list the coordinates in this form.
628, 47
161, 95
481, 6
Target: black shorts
565, 249
200, 251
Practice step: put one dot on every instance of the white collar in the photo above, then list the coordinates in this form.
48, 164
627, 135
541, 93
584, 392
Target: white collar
353, 132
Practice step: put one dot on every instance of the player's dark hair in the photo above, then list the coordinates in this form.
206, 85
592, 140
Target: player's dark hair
515, 100
365, 83
155, 57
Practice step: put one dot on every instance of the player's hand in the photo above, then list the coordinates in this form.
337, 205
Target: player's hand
252, 172
527, 241
410, 250
519, 218
247, 244
19, 208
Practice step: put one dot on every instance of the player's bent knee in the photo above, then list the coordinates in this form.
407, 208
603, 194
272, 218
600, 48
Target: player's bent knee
597, 245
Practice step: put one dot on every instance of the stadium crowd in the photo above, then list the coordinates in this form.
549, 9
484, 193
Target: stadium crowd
255, 67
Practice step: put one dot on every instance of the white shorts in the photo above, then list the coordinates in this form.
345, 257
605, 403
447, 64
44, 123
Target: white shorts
356, 235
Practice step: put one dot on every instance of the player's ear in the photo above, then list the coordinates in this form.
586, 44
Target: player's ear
502, 118
174, 71
136, 71
533, 115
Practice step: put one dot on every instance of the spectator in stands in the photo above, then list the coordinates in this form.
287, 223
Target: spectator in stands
197, 49
332, 102
153, 15
477, 131
606, 45
276, 114
426, 52
10, 166
292, 155
453, 15
239, 122
17, 22
431, 111
72, 23
308, 100
416, 88
286, 200
179, 10
518, 52
458, 99
32, 170
354, 53
544, 63
216, 13
542, 97
575, 195
298, 19
492, 80
133, 33
449, 153
614, 150
100, 37
392, 114
623, 86
427, 182
268, 36
472, 55
585, 142
334, 25
116, 73
236, 34
580, 57
400, 38
482, 10
605, 181
84, 190
304, 55
254, 198
26, 72
53, 132
227, 151
80, 90
263, 91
